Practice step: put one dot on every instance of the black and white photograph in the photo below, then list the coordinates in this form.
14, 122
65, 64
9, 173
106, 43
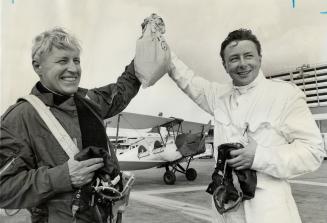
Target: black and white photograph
133, 111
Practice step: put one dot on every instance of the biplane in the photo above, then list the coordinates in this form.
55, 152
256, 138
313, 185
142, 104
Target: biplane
154, 141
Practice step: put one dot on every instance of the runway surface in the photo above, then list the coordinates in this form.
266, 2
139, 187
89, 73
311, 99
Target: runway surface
186, 201
153, 201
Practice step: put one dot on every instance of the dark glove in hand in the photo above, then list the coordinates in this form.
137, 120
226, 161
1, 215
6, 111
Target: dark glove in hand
110, 167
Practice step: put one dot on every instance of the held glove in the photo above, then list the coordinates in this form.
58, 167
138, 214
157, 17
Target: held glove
105, 188
110, 167
229, 186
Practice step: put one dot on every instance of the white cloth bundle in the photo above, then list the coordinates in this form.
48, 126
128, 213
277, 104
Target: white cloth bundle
152, 56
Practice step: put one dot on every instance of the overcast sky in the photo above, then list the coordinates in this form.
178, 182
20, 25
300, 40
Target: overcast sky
108, 30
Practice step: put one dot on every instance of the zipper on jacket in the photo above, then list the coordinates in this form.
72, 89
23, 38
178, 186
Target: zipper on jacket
3, 169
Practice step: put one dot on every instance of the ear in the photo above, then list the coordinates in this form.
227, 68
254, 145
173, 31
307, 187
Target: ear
224, 64
37, 67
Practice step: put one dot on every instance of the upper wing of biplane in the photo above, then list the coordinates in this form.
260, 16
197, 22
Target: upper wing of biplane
127, 120
192, 127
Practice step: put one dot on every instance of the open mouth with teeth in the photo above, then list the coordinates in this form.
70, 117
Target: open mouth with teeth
243, 73
69, 79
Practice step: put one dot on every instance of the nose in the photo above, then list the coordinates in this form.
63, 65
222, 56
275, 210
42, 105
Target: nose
242, 62
73, 68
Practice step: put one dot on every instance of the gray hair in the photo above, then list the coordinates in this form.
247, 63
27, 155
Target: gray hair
56, 37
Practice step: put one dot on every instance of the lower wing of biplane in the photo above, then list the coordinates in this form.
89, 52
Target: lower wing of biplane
157, 142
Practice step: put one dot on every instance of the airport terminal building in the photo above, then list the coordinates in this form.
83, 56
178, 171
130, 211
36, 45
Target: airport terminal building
312, 80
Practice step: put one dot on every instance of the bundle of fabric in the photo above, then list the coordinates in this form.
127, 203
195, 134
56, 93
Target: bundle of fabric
229, 186
152, 55
108, 193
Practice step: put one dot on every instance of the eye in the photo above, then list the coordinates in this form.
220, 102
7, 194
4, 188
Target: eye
62, 61
233, 59
77, 61
248, 56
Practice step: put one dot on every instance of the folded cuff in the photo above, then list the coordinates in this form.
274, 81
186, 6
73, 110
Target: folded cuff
60, 179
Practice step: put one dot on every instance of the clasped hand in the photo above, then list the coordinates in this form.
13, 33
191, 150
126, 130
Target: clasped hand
243, 158
82, 172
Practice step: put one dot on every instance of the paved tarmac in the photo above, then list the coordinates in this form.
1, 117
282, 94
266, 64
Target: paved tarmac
154, 202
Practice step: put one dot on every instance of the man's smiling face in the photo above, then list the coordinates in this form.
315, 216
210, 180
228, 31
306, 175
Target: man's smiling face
60, 71
242, 61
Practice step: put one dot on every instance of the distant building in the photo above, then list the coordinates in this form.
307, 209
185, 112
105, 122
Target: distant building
312, 79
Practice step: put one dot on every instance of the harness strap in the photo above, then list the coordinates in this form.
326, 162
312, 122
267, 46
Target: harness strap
53, 124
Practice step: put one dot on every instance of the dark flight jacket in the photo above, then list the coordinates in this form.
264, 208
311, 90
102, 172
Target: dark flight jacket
37, 171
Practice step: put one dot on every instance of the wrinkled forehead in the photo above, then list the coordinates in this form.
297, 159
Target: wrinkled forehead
43, 46
240, 45
56, 52
65, 48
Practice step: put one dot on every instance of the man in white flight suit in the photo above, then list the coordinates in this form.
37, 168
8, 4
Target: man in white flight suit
281, 137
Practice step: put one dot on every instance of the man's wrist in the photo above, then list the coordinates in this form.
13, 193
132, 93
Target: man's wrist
60, 179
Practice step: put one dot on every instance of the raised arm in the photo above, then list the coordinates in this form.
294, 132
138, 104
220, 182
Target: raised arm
200, 90
113, 98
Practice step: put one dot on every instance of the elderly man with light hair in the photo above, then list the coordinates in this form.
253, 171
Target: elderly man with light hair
35, 170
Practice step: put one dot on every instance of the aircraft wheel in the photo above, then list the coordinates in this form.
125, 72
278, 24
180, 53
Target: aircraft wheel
169, 177
191, 174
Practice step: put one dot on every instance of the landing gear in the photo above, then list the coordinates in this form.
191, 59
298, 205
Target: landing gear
169, 177
191, 174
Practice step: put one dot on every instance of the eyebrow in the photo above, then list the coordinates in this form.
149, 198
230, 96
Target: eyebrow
65, 57
233, 55
237, 54
60, 57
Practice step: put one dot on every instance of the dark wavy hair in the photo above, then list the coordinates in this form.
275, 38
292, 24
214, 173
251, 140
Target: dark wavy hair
238, 35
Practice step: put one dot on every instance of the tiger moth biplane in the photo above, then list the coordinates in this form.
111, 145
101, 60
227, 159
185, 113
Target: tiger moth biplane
154, 141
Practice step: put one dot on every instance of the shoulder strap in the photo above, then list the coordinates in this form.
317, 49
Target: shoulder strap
53, 124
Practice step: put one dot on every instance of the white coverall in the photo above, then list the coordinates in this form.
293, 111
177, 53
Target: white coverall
288, 140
